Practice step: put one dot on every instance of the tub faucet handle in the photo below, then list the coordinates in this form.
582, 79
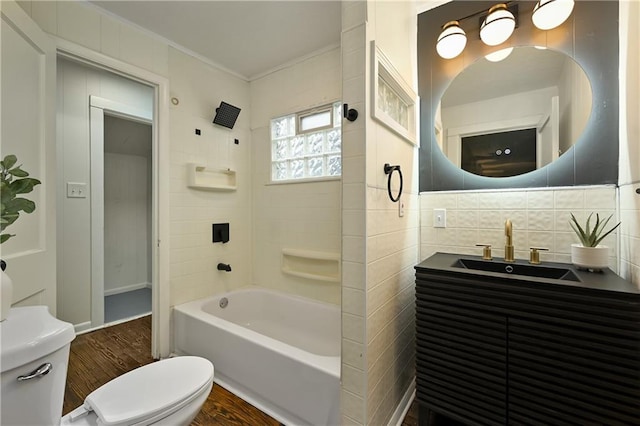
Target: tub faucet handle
224, 267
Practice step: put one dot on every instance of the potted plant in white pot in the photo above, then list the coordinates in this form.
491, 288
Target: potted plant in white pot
589, 253
13, 182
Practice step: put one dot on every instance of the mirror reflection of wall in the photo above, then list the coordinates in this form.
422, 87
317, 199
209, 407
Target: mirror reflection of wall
532, 88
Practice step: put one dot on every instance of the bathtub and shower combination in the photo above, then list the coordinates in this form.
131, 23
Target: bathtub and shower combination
279, 352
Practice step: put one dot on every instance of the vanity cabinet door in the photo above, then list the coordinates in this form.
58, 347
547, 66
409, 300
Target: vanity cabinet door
461, 353
579, 367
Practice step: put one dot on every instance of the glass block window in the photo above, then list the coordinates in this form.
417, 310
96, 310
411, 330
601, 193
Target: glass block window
391, 103
307, 145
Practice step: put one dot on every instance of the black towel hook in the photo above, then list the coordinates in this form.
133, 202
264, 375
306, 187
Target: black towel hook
388, 170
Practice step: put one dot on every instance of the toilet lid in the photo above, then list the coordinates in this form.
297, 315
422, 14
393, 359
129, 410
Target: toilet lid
150, 391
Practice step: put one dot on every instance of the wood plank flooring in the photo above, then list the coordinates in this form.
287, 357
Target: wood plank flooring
102, 355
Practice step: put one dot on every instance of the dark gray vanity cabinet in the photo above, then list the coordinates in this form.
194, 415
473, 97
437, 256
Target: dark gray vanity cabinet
494, 349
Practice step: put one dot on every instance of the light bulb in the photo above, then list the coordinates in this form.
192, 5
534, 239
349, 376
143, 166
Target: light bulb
548, 14
451, 41
498, 25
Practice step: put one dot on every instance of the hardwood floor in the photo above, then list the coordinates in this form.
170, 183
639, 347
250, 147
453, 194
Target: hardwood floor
102, 355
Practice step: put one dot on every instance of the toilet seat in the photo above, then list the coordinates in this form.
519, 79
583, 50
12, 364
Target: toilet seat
147, 394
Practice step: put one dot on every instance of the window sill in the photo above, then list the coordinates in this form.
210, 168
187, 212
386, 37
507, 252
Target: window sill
305, 180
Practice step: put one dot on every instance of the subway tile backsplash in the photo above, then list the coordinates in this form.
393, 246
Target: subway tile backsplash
540, 218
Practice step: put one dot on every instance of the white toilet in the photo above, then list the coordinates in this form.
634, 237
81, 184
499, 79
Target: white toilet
34, 353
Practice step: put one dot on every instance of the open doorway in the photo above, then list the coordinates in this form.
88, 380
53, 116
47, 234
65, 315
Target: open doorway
108, 261
121, 211
91, 87
127, 218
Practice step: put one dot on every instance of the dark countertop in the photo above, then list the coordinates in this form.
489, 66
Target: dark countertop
606, 280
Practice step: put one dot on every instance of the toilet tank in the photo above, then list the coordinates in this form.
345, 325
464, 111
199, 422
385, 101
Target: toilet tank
32, 340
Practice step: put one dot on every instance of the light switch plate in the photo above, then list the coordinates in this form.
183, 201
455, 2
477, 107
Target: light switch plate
440, 218
76, 190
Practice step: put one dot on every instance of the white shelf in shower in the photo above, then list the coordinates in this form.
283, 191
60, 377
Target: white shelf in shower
210, 179
314, 265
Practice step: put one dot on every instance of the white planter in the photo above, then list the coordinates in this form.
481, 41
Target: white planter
596, 258
6, 293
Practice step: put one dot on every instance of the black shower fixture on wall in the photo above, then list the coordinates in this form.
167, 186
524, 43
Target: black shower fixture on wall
349, 113
226, 115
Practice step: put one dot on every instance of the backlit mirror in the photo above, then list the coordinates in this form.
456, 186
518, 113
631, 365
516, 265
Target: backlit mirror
513, 116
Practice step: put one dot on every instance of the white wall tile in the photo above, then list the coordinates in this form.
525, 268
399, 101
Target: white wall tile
569, 199
353, 380
599, 198
541, 220
353, 301
352, 406
540, 200
353, 354
353, 327
467, 201
539, 217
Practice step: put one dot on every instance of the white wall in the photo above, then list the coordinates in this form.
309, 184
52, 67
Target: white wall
127, 204
75, 84
127, 213
300, 215
379, 247
199, 89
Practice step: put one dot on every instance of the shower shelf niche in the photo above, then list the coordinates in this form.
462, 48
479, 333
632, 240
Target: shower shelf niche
202, 177
314, 265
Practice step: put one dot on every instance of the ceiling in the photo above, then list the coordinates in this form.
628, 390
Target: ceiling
249, 38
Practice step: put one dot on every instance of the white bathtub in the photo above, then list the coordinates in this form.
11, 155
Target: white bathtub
279, 352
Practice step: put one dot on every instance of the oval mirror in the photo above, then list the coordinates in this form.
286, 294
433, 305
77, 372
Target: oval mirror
515, 115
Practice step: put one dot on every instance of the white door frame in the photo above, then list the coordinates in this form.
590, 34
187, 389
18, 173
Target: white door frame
160, 329
98, 107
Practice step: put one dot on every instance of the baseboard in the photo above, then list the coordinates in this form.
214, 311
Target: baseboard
404, 406
83, 327
126, 288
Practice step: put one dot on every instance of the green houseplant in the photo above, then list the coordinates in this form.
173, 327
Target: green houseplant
590, 254
13, 182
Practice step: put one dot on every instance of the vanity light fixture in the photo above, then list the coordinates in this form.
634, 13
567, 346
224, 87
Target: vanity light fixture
498, 26
548, 14
451, 41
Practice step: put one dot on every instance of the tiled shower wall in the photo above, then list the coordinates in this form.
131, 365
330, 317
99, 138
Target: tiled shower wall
301, 215
540, 218
379, 247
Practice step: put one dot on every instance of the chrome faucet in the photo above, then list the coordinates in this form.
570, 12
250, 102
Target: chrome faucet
508, 246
